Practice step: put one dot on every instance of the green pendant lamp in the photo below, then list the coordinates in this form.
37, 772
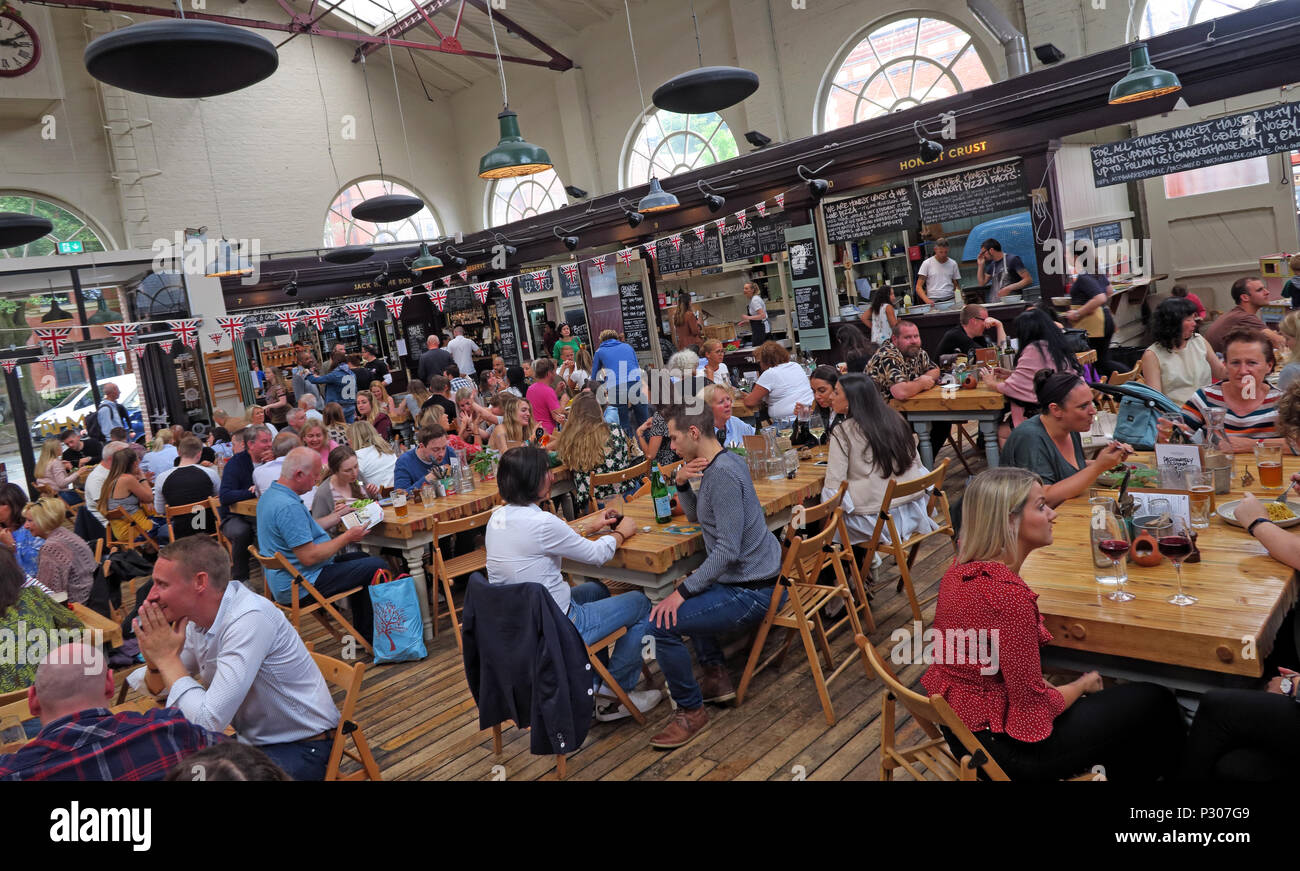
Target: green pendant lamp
103, 314
513, 155
424, 261
1143, 81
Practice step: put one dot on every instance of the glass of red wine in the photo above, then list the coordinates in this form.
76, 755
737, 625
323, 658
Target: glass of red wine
1176, 544
1110, 536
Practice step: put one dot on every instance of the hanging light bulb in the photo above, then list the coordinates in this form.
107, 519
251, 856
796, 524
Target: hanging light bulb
1143, 81
424, 261
656, 199
513, 155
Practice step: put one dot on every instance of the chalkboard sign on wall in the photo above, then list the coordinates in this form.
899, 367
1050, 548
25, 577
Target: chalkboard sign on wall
460, 298
570, 287
1219, 140
636, 327
809, 313
759, 236
693, 254
803, 261
506, 326
973, 192
880, 212
415, 336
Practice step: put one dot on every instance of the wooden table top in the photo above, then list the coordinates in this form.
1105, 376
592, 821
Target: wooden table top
655, 551
974, 399
1243, 593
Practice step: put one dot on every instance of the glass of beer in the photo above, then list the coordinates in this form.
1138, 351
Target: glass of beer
399, 502
1200, 484
1269, 462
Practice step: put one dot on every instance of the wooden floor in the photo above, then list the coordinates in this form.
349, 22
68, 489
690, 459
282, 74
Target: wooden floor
422, 723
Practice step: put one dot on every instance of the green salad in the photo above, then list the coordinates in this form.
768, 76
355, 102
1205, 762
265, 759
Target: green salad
359, 504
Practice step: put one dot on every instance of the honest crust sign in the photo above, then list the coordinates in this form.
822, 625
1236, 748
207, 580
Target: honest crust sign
957, 152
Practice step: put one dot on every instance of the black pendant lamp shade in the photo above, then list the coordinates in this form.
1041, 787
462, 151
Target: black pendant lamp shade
349, 254
707, 89
656, 199
387, 208
17, 228
181, 58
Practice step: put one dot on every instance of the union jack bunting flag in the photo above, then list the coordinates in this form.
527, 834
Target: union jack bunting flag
600, 264
676, 239
122, 332
53, 338
446, 281
216, 338
741, 217
394, 306
504, 284
570, 271
464, 275
720, 223
139, 351
233, 327
780, 201
699, 233
358, 310
166, 346
481, 291
761, 208
652, 248
9, 365
319, 317
289, 320
627, 255
186, 330
439, 298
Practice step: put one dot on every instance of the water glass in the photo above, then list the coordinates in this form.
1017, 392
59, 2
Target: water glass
775, 468
791, 463
428, 494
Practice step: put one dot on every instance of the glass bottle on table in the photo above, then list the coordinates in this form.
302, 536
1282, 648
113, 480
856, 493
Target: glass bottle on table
659, 494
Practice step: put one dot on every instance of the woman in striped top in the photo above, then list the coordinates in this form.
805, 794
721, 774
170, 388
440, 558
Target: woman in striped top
1248, 357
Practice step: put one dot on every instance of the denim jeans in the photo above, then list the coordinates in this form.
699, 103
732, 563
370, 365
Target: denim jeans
719, 609
596, 614
348, 570
630, 417
302, 760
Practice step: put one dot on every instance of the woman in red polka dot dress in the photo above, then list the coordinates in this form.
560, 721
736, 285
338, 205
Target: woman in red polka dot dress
1034, 731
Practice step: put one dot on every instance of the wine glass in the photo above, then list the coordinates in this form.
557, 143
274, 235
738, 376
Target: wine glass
817, 426
1110, 535
1176, 544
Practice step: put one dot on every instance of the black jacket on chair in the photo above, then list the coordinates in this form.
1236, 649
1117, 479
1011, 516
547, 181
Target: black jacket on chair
526, 662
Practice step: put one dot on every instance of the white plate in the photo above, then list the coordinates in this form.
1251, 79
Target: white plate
1227, 510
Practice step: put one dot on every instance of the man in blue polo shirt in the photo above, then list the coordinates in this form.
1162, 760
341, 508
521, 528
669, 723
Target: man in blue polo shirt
285, 525
616, 370
425, 462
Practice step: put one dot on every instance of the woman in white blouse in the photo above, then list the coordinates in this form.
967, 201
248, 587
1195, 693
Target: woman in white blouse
715, 371
782, 382
1179, 361
375, 457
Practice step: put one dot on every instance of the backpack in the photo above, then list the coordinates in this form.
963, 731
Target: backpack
91, 425
1139, 409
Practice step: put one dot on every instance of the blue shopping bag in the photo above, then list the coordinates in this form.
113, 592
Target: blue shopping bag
399, 631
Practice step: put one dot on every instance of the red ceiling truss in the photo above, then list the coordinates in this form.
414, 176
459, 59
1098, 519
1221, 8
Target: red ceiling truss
309, 22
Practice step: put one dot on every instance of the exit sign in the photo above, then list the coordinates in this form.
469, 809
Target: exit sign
70, 248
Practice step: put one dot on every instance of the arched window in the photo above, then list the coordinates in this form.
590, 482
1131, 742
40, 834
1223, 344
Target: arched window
69, 226
522, 196
668, 143
898, 65
1162, 16
341, 229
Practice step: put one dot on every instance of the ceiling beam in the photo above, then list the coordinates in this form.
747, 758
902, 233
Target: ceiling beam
412, 20
559, 62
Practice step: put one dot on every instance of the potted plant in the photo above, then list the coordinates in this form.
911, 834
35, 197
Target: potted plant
484, 461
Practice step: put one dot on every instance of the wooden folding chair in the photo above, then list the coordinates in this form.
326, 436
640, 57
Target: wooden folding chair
444, 571
321, 607
806, 597
667, 471
140, 529
1106, 402
935, 753
839, 549
639, 472
348, 678
13, 713
208, 509
904, 552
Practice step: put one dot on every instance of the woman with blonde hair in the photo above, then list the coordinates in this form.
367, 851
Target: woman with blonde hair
1290, 330
124, 489
162, 453
277, 397
1033, 730
588, 445
366, 411
375, 456
715, 371
314, 435
432, 414
56, 473
66, 564
382, 402
516, 425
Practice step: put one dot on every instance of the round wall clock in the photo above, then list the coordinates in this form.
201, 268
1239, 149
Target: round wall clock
20, 47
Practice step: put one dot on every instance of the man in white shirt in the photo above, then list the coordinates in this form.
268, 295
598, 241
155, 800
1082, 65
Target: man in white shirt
308, 404
462, 350
269, 472
95, 480
939, 278
258, 675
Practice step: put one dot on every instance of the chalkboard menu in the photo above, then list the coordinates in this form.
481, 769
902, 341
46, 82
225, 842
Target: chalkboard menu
809, 312
636, 327
973, 192
570, 287
506, 326
879, 212
415, 336
759, 236
536, 282
803, 261
461, 298
694, 253
1220, 140
1103, 234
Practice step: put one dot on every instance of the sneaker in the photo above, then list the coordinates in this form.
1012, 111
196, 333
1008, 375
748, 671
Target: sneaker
681, 729
609, 710
715, 683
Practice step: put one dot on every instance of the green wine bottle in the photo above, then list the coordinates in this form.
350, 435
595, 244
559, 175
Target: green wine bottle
659, 493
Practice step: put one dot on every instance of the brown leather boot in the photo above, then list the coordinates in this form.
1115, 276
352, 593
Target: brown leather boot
681, 729
715, 683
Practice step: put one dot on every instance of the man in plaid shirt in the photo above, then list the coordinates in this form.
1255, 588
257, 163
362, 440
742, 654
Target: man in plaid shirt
80, 739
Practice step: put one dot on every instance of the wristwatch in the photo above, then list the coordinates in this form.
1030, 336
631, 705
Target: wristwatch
1288, 687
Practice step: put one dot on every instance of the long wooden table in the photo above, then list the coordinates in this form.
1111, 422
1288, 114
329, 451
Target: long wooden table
655, 559
1219, 641
932, 406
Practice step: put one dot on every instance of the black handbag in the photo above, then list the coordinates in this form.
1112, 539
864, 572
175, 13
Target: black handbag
1077, 340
